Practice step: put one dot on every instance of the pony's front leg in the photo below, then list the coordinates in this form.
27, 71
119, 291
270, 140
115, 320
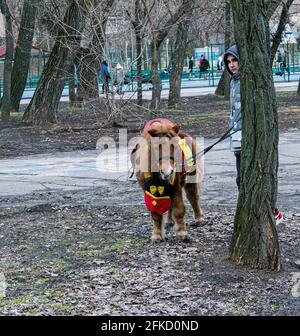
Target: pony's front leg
192, 193
178, 214
170, 221
158, 233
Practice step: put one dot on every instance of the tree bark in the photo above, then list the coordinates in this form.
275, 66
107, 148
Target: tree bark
139, 16
23, 52
254, 241
156, 80
137, 24
178, 62
223, 88
44, 103
87, 71
9, 41
139, 75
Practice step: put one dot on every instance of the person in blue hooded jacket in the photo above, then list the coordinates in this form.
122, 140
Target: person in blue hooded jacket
105, 77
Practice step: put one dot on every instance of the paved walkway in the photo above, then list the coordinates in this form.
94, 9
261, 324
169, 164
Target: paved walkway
89, 169
185, 92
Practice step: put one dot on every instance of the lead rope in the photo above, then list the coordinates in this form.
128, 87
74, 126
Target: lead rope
226, 135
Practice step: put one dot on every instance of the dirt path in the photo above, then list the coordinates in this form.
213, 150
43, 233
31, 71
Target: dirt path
77, 253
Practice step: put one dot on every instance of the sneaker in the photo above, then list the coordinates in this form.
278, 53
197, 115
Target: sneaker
278, 216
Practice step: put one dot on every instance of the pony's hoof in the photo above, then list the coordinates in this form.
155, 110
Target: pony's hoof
156, 239
184, 238
170, 224
198, 222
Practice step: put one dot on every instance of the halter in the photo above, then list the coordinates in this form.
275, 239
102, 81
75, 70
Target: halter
186, 156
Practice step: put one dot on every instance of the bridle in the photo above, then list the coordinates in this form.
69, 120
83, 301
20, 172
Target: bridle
162, 157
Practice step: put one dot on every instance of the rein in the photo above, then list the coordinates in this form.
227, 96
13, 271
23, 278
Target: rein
226, 135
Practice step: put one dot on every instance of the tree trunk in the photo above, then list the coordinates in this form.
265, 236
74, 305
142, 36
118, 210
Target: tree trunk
9, 41
178, 62
72, 93
254, 241
139, 69
139, 16
158, 36
156, 80
298, 91
89, 58
44, 103
23, 52
223, 88
87, 70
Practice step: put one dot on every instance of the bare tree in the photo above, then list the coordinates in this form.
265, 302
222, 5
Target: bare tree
138, 21
223, 88
23, 52
91, 52
277, 38
72, 86
159, 31
178, 57
254, 241
44, 103
9, 41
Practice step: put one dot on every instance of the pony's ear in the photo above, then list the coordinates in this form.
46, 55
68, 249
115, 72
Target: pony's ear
176, 128
152, 132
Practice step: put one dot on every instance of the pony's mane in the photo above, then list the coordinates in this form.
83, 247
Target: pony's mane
158, 128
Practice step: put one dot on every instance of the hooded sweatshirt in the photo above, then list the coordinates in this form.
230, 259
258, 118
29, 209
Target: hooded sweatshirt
235, 103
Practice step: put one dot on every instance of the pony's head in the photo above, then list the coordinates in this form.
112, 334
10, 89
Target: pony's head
162, 139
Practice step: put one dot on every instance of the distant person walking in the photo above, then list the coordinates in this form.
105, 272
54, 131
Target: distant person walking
200, 64
220, 63
191, 67
105, 77
119, 76
279, 58
204, 67
283, 65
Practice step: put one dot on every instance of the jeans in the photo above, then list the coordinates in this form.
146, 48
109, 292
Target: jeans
238, 168
105, 86
119, 87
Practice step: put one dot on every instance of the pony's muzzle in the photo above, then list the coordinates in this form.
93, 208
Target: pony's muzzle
166, 174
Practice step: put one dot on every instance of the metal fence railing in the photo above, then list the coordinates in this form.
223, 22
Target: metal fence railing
211, 78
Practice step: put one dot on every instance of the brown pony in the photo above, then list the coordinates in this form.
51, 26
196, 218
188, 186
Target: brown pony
165, 163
